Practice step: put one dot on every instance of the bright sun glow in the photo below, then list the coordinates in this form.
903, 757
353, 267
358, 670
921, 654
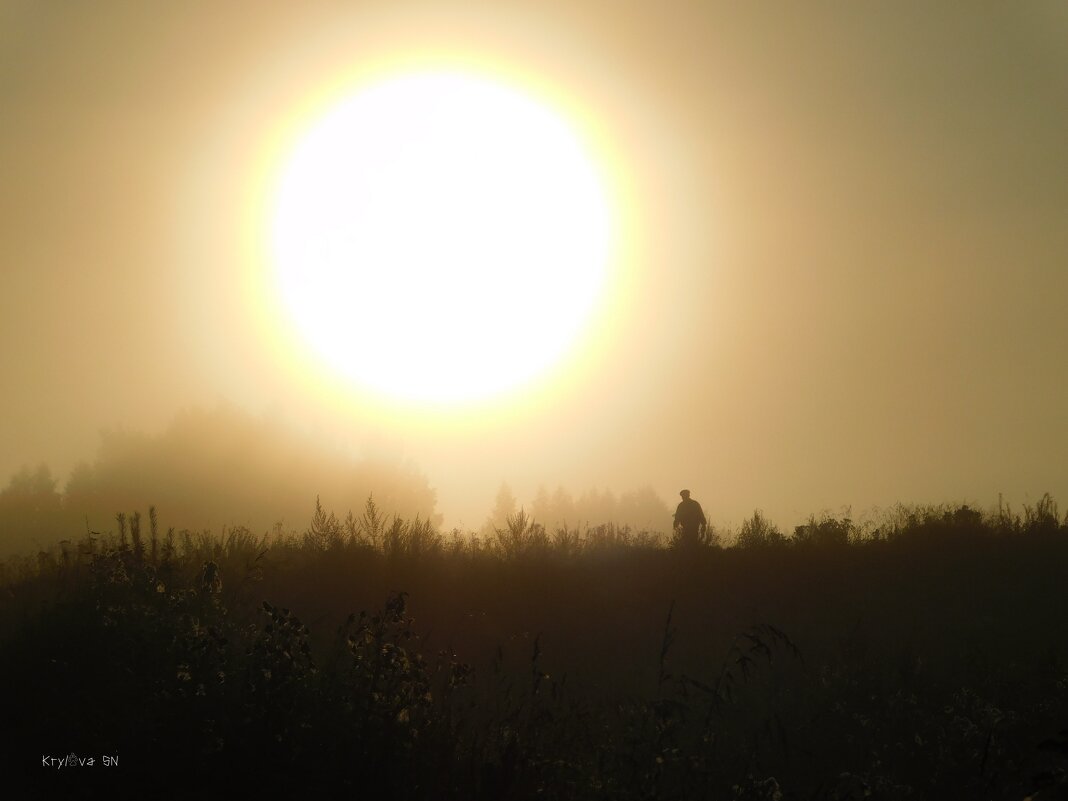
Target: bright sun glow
440, 237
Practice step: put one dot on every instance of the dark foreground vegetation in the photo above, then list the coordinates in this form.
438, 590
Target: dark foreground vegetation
922, 657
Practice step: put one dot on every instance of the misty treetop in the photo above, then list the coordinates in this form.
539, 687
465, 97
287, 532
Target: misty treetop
639, 509
224, 467
208, 469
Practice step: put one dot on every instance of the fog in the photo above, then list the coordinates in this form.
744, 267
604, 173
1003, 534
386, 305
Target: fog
848, 253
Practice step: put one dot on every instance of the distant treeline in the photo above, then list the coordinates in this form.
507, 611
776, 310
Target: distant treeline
639, 510
207, 470
224, 468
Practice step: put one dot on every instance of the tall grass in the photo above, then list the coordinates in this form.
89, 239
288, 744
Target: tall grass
920, 654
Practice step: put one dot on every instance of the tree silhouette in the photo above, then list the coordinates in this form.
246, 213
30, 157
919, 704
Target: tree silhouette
31, 510
504, 507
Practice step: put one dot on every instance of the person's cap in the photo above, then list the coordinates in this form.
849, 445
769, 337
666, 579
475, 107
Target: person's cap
684, 492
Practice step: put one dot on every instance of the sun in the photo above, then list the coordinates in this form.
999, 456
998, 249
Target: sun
440, 237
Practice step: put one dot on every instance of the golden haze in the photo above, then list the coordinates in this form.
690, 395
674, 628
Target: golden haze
842, 242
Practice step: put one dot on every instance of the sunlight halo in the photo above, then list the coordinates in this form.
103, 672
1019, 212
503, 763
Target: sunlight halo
440, 237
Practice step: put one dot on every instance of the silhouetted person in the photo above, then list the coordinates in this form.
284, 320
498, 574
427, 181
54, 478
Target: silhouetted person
689, 520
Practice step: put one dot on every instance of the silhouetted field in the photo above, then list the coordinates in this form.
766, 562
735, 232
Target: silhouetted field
923, 657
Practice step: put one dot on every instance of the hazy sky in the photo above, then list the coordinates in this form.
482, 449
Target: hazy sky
850, 241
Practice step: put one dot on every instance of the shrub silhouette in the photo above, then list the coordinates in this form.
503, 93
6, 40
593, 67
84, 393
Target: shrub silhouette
538, 665
759, 532
825, 532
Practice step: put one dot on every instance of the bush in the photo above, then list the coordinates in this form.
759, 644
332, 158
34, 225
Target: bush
759, 532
